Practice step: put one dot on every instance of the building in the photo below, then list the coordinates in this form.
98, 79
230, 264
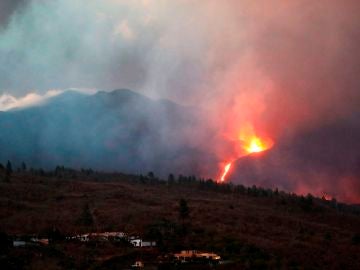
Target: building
17, 243
138, 242
138, 264
192, 255
103, 236
41, 241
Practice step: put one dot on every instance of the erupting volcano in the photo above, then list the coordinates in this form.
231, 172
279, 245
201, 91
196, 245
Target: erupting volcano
250, 143
256, 145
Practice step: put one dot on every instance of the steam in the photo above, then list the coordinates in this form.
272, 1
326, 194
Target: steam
284, 67
7, 8
8, 102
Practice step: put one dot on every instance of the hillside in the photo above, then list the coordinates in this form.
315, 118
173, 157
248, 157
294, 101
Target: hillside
252, 228
125, 131
321, 159
118, 130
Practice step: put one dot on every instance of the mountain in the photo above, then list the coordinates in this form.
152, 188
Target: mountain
322, 159
118, 130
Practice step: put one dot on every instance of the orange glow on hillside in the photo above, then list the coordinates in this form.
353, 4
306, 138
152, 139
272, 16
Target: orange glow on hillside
256, 145
326, 197
251, 142
247, 142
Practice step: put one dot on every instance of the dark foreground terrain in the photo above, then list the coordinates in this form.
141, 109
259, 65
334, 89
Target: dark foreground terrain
250, 228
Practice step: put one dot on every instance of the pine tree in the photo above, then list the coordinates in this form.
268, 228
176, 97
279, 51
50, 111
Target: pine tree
86, 217
8, 171
9, 168
184, 210
171, 178
23, 166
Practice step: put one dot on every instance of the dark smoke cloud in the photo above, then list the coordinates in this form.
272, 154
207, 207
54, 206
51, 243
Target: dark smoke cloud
7, 8
318, 160
307, 53
289, 68
299, 60
103, 44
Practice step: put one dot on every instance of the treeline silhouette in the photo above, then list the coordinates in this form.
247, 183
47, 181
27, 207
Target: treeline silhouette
308, 202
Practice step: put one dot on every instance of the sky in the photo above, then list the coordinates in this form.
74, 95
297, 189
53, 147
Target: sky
234, 52
280, 66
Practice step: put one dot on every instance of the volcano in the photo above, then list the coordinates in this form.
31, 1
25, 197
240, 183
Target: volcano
324, 159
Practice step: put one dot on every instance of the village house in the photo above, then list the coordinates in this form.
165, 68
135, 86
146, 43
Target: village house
108, 236
103, 236
32, 241
17, 243
138, 242
190, 255
81, 237
138, 264
41, 241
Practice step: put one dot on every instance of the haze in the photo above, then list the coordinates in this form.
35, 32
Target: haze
289, 69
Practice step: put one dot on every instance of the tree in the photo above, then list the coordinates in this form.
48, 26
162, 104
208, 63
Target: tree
23, 166
5, 243
54, 235
8, 171
184, 210
8, 168
356, 239
151, 175
86, 217
171, 178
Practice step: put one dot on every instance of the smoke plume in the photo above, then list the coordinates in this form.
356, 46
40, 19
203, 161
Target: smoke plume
287, 68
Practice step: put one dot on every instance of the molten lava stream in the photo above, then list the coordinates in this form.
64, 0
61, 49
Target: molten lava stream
226, 170
250, 144
256, 145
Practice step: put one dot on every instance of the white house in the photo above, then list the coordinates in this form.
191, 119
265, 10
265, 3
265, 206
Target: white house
103, 236
17, 243
138, 242
148, 244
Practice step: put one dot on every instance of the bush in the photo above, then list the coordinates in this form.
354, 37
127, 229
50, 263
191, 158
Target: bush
355, 240
86, 217
5, 242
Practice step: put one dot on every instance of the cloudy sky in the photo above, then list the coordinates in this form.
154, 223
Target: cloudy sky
230, 52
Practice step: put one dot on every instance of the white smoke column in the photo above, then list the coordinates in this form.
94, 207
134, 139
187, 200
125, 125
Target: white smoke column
283, 66
8, 102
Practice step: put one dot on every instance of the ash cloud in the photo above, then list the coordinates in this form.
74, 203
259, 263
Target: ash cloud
8, 8
307, 53
288, 68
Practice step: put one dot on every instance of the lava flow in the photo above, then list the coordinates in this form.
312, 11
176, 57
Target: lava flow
226, 170
250, 143
256, 145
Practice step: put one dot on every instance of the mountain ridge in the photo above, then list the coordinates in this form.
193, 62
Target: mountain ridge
118, 130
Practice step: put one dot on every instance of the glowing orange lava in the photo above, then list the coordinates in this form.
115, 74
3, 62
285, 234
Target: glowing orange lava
256, 145
226, 170
249, 142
